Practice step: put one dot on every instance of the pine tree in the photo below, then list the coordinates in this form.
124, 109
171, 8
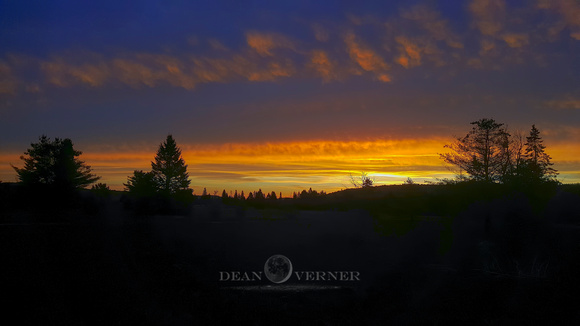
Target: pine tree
169, 168
141, 184
537, 161
54, 163
259, 195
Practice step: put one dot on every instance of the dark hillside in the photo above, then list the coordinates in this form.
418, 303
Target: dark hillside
451, 253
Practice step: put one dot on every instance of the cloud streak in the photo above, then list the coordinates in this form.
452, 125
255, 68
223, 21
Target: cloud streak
419, 37
265, 43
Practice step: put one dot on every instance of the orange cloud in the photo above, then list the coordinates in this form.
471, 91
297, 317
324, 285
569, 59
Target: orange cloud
264, 43
488, 15
152, 70
384, 78
273, 71
410, 53
221, 70
403, 61
570, 12
208, 70
134, 73
60, 73
320, 62
514, 40
364, 56
566, 104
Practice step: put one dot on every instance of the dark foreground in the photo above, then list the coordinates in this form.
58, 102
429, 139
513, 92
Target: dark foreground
113, 268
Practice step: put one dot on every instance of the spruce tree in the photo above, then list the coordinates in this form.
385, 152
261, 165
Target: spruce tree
169, 169
142, 184
54, 163
537, 162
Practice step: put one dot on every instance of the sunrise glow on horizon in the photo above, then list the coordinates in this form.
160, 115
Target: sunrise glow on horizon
294, 166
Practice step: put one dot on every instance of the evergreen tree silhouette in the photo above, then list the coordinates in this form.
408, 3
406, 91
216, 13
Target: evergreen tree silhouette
259, 195
537, 162
54, 163
142, 184
169, 169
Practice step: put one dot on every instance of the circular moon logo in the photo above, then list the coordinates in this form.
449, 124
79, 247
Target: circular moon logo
278, 269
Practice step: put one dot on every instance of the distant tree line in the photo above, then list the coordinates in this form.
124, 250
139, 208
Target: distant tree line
168, 175
487, 153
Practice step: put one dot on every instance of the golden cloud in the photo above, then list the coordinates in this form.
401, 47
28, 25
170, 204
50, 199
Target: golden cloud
208, 70
364, 56
403, 60
320, 62
134, 73
384, 78
273, 71
264, 43
566, 104
514, 40
570, 12
419, 35
62, 74
410, 52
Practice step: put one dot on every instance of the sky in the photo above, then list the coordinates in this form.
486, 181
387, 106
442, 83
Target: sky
286, 95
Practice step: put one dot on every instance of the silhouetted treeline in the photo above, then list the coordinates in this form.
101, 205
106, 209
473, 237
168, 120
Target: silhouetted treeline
163, 190
490, 153
492, 162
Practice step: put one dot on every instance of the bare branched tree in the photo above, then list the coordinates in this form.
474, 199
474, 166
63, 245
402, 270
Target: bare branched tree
362, 181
